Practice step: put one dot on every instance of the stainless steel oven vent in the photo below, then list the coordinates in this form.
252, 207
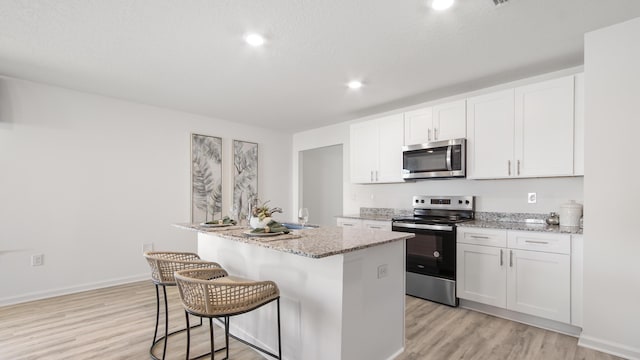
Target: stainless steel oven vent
500, 2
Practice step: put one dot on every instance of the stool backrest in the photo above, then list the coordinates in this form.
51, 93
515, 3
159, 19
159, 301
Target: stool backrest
164, 264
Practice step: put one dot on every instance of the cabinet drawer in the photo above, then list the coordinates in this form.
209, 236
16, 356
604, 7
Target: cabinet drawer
537, 241
478, 236
377, 224
346, 222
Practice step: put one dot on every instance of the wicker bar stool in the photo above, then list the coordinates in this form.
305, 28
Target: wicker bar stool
163, 265
209, 293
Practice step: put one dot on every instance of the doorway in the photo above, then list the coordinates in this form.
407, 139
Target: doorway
321, 184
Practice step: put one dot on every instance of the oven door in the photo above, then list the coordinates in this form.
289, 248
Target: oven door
436, 159
432, 251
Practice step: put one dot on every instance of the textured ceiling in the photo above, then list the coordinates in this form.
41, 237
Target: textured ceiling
189, 55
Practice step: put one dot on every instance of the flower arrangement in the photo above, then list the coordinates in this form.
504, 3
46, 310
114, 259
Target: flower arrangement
263, 211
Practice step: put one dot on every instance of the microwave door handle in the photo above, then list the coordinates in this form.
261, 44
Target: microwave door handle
449, 158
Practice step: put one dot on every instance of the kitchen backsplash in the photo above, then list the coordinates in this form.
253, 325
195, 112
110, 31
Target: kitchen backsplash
381, 212
480, 215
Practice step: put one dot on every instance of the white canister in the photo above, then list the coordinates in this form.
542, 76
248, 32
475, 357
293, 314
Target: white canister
570, 214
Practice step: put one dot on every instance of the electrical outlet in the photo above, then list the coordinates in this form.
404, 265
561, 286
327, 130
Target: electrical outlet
37, 260
383, 271
147, 247
532, 198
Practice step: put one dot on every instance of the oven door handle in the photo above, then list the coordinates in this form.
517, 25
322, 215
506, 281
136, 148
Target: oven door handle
423, 226
449, 166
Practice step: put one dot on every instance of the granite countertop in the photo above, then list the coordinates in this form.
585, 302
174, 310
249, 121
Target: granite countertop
522, 226
313, 243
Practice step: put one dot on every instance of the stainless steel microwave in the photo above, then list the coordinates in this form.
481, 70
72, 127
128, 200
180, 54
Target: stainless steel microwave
438, 159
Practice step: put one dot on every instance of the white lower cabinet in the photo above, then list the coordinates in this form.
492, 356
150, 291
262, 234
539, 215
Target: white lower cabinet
377, 224
530, 274
366, 224
349, 222
481, 274
539, 284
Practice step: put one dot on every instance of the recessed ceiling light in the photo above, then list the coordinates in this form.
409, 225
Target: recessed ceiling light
441, 4
355, 84
254, 39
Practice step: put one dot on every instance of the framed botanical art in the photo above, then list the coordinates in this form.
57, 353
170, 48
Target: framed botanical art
206, 178
245, 177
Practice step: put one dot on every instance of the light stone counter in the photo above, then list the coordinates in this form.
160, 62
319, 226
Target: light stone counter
314, 243
521, 226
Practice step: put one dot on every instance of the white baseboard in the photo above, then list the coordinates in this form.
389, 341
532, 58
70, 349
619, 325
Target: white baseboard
609, 347
37, 295
547, 324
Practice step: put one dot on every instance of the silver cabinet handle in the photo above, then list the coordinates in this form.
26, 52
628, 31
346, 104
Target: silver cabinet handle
511, 258
518, 167
371, 175
479, 237
376, 175
536, 242
429, 134
375, 227
501, 262
509, 167
347, 224
435, 133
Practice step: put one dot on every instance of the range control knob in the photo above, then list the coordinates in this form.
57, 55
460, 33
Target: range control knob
459, 201
422, 201
466, 202
417, 201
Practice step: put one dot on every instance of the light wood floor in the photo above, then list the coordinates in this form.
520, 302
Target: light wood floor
117, 323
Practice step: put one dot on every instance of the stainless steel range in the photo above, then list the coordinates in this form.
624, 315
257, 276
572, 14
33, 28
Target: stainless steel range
431, 254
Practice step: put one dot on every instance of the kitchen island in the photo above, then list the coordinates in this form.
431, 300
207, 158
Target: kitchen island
342, 289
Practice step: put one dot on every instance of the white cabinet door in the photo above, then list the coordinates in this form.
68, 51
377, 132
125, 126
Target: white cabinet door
377, 224
539, 284
391, 138
544, 128
481, 274
418, 126
449, 121
577, 246
578, 146
349, 222
364, 151
490, 135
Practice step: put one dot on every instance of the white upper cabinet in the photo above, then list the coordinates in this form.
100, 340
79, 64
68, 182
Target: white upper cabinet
490, 141
449, 120
523, 132
578, 145
544, 128
364, 151
442, 122
418, 126
376, 150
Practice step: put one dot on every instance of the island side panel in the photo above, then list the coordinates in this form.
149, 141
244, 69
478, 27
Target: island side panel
374, 302
311, 297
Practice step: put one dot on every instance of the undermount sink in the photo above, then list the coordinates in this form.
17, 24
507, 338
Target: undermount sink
294, 226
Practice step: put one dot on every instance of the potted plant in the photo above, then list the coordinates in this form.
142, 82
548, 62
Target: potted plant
261, 215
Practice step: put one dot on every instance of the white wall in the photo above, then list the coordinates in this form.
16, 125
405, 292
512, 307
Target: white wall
611, 241
86, 180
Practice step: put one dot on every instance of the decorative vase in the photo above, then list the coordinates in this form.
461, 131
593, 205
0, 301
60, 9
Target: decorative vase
255, 222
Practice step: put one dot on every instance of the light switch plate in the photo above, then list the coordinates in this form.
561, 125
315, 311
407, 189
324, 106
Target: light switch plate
532, 198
